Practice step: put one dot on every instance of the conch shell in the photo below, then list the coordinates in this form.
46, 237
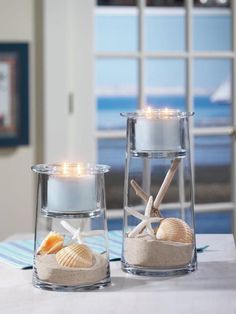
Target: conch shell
51, 244
75, 255
174, 229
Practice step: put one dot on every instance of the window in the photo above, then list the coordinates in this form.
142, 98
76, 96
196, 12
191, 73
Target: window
176, 54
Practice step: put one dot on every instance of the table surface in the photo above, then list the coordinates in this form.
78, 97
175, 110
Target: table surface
210, 289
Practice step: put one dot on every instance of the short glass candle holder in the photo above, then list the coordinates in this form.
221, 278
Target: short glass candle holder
158, 235
71, 237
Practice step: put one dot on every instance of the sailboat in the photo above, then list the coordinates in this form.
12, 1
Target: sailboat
222, 93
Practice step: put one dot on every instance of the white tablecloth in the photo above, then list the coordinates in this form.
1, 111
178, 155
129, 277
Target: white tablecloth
210, 289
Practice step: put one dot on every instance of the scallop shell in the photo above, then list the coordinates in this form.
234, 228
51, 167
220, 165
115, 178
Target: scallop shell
75, 255
51, 244
174, 229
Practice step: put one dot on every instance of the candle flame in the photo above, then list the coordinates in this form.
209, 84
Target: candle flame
65, 168
166, 113
148, 112
78, 170
149, 109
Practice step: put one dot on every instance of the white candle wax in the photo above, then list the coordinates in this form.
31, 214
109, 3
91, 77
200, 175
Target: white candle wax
157, 133
70, 194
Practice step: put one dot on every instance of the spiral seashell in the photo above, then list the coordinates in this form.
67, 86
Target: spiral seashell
174, 229
75, 255
51, 244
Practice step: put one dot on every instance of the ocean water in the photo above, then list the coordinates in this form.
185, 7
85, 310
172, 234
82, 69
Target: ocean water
207, 113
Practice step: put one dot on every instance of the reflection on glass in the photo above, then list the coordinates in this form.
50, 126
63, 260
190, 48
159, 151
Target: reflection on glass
212, 92
212, 30
165, 29
165, 83
112, 152
116, 30
212, 169
116, 91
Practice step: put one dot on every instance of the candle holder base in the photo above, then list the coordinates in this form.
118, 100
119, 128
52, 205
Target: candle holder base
159, 154
71, 214
160, 272
68, 288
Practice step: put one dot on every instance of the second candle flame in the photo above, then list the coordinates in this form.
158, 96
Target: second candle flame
74, 170
65, 168
78, 170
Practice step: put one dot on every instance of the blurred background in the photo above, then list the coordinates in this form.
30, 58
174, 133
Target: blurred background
89, 61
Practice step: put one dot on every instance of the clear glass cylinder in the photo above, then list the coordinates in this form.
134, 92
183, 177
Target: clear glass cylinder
158, 232
71, 237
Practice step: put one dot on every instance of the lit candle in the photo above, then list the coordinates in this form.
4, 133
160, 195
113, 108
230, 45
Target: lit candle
158, 130
71, 191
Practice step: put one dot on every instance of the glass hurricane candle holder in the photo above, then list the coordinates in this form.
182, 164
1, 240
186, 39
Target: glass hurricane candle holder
71, 239
158, 235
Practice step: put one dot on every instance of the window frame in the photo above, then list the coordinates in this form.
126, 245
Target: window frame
189, 55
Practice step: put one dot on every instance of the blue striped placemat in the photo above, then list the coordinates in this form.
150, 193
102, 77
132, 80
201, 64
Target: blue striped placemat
20, 253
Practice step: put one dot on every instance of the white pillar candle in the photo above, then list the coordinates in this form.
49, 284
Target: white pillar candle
157, 131
71, 192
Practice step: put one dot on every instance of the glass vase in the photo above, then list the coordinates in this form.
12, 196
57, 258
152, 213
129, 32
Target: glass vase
158, 229
71, 238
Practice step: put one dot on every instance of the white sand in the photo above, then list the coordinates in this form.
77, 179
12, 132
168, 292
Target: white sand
147, 252
49, 270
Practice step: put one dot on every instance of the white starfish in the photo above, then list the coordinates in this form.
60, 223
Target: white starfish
146, 220
78, 234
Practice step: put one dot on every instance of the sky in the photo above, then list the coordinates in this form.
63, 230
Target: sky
164, 31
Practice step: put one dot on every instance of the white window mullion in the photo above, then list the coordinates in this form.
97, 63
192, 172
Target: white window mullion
207, 131
142, 96
189, 78
141, 83
233, 10
167, 55
225, 130
106, 134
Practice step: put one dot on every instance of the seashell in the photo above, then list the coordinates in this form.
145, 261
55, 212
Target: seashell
75, 255
51, 244
174, 229
56, 248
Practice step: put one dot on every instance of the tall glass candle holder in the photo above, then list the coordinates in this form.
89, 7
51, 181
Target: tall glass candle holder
71, 238
158, 235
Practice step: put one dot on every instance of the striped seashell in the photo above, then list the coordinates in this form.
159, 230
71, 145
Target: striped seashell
75, 255
174, 229
51, 244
